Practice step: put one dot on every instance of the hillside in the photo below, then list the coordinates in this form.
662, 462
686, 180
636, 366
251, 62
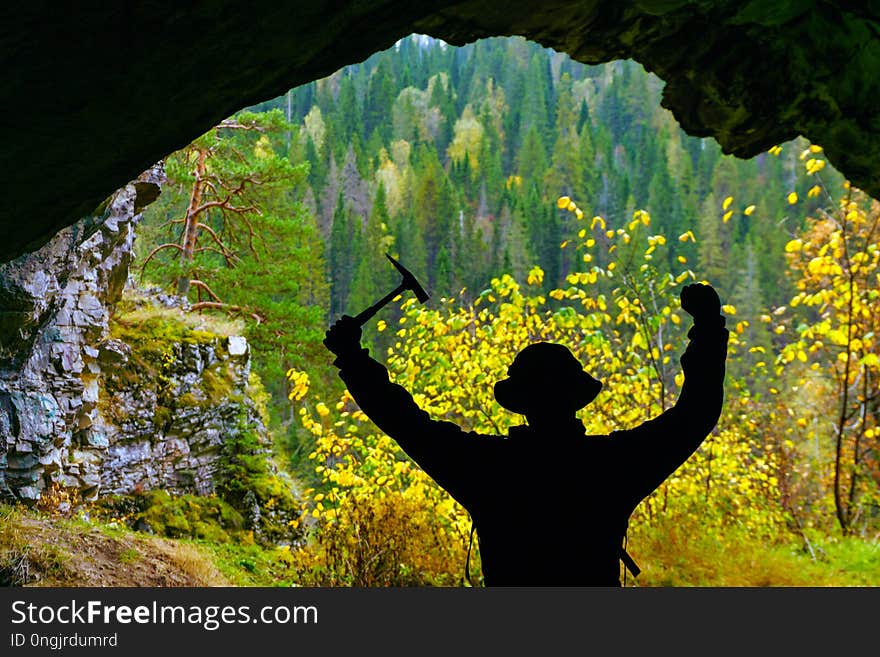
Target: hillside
40, 550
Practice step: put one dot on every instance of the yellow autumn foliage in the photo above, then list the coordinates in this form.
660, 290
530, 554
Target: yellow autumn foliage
630, 342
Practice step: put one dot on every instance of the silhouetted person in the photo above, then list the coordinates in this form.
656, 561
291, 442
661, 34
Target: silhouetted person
550, 504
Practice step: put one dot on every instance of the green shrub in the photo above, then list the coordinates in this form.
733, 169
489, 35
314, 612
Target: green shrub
247, 477
175, 516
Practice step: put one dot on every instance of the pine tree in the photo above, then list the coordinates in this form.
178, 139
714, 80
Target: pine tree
373, 275
492, 168
347, 117
748, 299
444, 276
534, 111
228, 173
340, 268
543, 229
443, 98
532, 161
711, 261
257, 251
317, 167
589, 175
566, 174
584, 117
380, 96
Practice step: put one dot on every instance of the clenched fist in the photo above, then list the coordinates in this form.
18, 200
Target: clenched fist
344, 336
700, 301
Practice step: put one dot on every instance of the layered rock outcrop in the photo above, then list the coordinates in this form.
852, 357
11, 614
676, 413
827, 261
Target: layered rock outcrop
104, 395
173, 395
53, 321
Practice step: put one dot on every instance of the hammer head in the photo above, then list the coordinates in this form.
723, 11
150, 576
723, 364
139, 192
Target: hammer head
409, 281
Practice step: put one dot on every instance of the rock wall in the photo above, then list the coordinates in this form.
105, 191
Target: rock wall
173, 395
87, 408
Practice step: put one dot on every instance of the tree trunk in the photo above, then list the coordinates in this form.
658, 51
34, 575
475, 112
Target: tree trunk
191, 231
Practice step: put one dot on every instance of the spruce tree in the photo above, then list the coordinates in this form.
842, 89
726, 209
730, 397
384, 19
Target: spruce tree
534, 112
380, 96
566, 174
532, 160
340, 268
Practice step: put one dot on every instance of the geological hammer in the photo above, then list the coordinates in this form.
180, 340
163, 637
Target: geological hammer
408, 282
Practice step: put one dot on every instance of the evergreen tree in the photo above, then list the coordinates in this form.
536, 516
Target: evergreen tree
373, 276
409, 245
748, 298
543, 228
589, 177
566, 174
532, 160
257, 252
317, 168
380, 96
584, 116
710, 245
492, 167
443, 98
341, 269
533, 111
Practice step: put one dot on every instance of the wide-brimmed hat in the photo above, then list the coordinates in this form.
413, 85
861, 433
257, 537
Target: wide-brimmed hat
548, 375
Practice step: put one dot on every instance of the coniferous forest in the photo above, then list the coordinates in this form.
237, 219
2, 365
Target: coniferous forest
535, 197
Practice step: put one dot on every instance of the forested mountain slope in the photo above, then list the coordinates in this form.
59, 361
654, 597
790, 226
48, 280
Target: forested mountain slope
452, 158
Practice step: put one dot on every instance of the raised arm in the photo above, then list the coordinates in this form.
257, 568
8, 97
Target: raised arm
655, 449
450, 456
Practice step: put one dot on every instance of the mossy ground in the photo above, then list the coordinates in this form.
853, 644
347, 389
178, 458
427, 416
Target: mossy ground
39, 549
76, 552
672, 555
173, 516
247, 477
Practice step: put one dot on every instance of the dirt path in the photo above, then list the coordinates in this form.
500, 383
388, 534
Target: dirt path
52, 552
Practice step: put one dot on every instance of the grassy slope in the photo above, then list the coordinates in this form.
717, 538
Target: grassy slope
54, 551
67, 552
694, 556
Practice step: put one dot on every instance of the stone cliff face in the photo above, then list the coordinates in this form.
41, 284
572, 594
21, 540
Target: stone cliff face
141, 401
171, 398
52, 330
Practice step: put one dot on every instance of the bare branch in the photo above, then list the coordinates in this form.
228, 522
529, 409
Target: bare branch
214, 249
204, 286
171, 222
245, 210
235, 191
226, 251
167, 245
215, 305
251, 232
210, 185
210, 204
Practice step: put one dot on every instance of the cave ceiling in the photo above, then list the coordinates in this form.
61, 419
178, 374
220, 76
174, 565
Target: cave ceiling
95, 93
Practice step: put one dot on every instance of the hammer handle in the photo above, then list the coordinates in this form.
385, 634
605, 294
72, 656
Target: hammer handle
365, 315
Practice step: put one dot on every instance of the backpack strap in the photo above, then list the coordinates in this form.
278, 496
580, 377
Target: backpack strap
628, 561
467, 563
